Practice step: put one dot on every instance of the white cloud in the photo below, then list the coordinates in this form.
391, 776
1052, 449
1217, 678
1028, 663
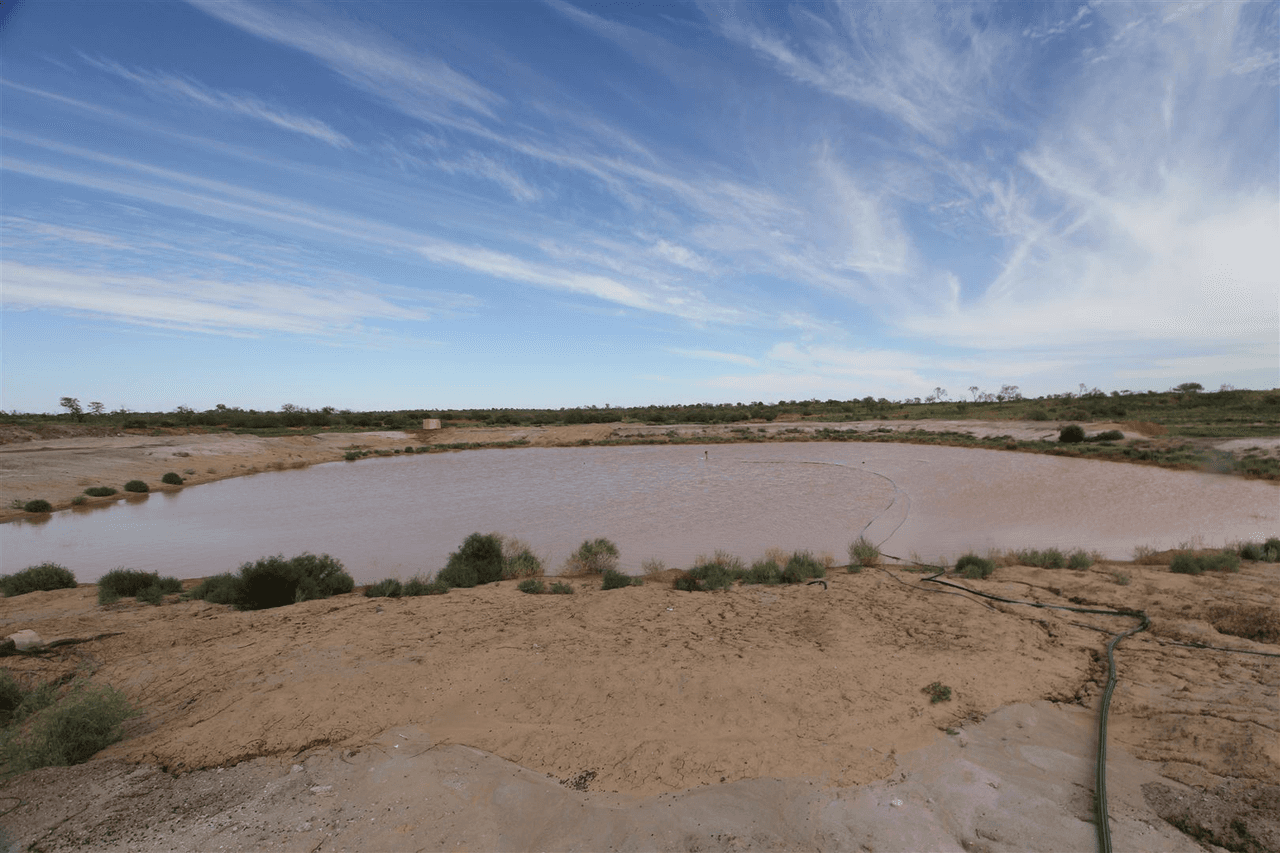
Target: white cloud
712, 355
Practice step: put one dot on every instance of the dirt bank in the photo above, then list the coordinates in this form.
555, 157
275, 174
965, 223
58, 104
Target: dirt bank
645, 718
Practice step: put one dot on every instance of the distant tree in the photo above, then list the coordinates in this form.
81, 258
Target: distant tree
973, 389
1008, 393
1227, 387
1188, 388
97, 408
288, 407
72, 405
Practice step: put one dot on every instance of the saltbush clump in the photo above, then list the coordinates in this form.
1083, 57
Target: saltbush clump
136, 486
1190, 564
99, 491
417, 586
171, 479
1268, 551
559, 588
38, 505
614, 579
937, 692
276, 582
148, 587
519, 560
863, 552
59, 732
1107, 435
219, 589
973, 567
593, 557
532, 586
766, 571
801, 567
389, 588
1079, 560
44, 577
1071, 434
478, 561
1050, 558
79, 500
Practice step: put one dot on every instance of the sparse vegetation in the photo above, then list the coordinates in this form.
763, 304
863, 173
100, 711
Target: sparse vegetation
136, 486
147, 587
520, 561
1268, 552
863, 552
532, 586
1079, 560
43, 729
276, 582
937, 692
417, 586
1121, 578
478, 561
561, 588
38, 505
1192, 564
705, 576
593, 557
79, 500
1050, 558
171, 479
973, 567
614, 579
766, 571
1255, 622
1106, 435
99, 491
802, 567
653, 566
44, 577
389, 588
1071, 434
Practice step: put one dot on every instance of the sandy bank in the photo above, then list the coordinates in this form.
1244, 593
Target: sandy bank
645, 718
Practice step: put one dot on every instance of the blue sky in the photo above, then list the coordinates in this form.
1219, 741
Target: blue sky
484, 204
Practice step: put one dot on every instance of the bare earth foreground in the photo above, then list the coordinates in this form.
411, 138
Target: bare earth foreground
762, 718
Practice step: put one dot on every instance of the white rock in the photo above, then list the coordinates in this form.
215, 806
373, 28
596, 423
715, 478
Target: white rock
27, 639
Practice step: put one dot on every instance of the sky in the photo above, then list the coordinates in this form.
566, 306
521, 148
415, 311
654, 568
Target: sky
549, 203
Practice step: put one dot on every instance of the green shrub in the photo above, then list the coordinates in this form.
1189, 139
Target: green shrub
121, 582
38, 505
593, 557
219, 589
71, 731
408, 448
1251, 551
937, 692
389, 588
150, 594
764, 571
863, 552
706, 575
1108, 435
99, 491
802, 567
1071, 434
136, 486
614, 579
171, 479
478, 561
276, 582
1038, 415
352, 455
44, 577
1189, 564
974, 567
1271, 550
523, 564
1050, 558
559, 588
1079, 560
18, 702
79, 500
533, 586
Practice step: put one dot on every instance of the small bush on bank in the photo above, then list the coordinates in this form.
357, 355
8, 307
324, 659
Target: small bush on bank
1038, 415
593, 557
38, 505
79, 500
1050, 558
44, 577
614, 579
802, 567
148, 587
532, 586
276, 582
766, 571
136, 486
1268, 551
219, 589
1079, 560
17, 701
705, 576
1255, 622
653, 566
937, 692
1190, 564
519, 560
1108, 435
99, 491
70, 730
171, 479
863, 552
973, 567
417, 586
559, 588
389, 588
1271, 550
478, 561
1071, 434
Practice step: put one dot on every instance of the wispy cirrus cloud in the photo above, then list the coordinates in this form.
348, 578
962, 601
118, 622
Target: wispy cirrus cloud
177, 87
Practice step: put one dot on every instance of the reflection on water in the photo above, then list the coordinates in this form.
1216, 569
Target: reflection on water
403, 515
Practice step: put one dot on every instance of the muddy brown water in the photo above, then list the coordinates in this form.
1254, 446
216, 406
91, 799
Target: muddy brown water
400, 516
